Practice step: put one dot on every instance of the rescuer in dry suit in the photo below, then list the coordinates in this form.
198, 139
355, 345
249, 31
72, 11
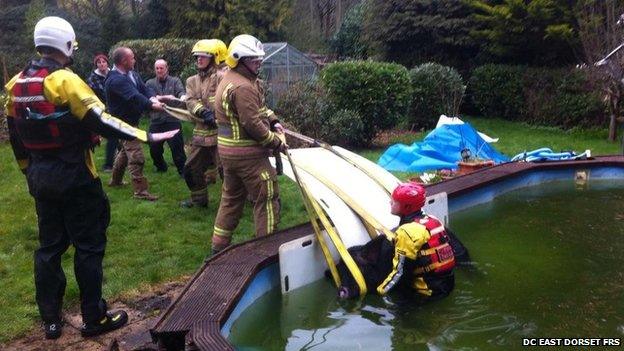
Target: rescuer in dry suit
420, 258
247, 134
53, 119
203, 159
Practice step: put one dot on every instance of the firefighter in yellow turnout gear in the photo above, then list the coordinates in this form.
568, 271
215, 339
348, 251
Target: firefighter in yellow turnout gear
246, 137
53, 116
201, 166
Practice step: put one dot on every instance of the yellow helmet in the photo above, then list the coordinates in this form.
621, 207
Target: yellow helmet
243, 45
210, 48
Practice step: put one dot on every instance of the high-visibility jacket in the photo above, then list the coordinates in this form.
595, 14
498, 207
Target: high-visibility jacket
51, 111
200, 94
422, 254
244, 122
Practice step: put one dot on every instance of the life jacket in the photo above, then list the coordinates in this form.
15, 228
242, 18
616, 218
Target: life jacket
436, 256
41, 125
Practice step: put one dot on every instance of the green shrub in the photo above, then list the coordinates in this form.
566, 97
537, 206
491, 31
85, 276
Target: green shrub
177, 53
305, 106
436, 90
379, 92
561, 97
187, 71
497, 90
4, 130
344, 127
538, 96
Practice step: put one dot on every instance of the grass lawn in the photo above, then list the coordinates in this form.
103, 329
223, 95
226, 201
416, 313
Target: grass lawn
152, 242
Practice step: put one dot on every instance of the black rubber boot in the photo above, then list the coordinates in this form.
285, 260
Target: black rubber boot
112, 321
54, 329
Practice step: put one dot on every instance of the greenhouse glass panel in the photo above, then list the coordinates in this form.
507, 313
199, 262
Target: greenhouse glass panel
283, 66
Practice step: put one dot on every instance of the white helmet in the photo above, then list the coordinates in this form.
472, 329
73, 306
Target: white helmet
243, 45
57, 33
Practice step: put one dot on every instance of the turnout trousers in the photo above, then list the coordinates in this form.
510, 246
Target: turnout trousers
200, 170
257, 178
71, 209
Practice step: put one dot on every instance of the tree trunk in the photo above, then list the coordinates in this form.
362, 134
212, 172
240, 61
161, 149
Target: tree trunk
612, 127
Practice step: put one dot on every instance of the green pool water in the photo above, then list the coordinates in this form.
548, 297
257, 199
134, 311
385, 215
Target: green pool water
548, 262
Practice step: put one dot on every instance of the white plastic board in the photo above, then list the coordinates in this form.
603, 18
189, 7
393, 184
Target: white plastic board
437, 205
301, 263
381, 174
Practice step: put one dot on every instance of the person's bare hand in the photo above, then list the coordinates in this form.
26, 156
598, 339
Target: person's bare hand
158, 106
158, 137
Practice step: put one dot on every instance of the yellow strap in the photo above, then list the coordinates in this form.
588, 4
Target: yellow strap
431, 267
315, 212
350, 202
388, 187
431, 251
342, 250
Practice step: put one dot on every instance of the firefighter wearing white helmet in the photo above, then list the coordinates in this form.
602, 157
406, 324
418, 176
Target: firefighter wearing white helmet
248, 133
52, 117
201, 165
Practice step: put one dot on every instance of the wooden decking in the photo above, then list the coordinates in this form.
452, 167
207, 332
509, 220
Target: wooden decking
210, 296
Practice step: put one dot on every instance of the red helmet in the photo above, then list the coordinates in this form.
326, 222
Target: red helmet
410, 196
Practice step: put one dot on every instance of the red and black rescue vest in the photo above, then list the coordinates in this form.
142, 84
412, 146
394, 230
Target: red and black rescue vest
41, 125
436, 256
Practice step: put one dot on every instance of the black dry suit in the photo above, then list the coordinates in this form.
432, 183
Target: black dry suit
53, 117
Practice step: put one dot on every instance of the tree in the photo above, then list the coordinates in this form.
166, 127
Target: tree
536, 32
154, 22
225, 19
417, 31
316, 22
600, 33
113, 24
348, 41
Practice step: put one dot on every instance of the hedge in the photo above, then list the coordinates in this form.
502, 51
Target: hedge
177, 53
437, 90
541, 96
497, 90
306, 107
379, 92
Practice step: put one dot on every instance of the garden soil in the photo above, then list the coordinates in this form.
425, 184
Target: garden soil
143, 311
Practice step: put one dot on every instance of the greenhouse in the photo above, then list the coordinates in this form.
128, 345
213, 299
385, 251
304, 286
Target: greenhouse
284, 65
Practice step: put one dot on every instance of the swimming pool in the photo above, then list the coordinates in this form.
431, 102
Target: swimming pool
205, 312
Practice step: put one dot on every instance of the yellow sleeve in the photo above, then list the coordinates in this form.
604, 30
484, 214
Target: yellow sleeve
8, 104
410, 238
65, 88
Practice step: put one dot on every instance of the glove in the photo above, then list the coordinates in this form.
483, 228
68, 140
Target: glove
208, 117
158, 137
282, 147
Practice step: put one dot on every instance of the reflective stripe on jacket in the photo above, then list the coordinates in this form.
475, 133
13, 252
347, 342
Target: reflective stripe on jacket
200, 94
244, 121
422, 252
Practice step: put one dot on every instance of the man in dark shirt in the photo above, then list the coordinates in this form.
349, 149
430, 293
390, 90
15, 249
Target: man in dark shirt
169, 88
128, 97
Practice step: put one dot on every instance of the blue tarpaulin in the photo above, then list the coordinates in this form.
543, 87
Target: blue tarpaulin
441, 149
